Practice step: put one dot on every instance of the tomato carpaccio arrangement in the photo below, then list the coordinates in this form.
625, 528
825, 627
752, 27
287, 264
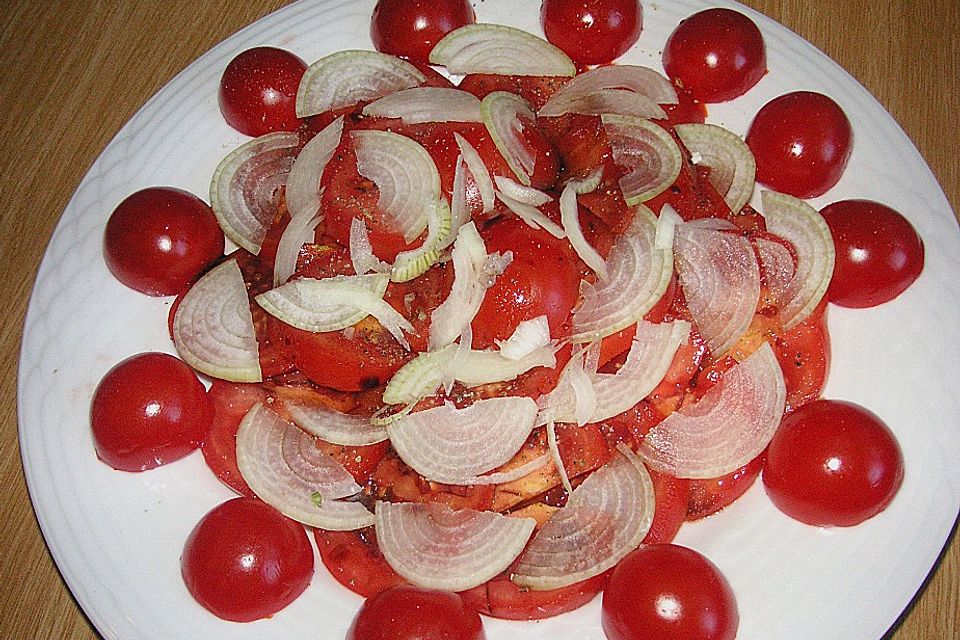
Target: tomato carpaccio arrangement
498, 317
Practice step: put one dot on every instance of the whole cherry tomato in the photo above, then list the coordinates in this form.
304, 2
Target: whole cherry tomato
258, 91
160, 239
592, 31
715, 55
833, 463
879, 253
802, 142
410, 28
245, 560
405, 612
148, 410
668, 592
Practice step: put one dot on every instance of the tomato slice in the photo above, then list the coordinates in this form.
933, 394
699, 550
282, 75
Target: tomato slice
804, 356
231, 401
536, 90
501, 598
354, 559
709, 496
672, 496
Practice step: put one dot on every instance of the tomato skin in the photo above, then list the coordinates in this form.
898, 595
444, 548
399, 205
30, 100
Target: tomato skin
148, 410
354, 559
833, 463
258, 91
672, 495
501, 598
230, 402
668, 592
592, 31
411, 28
802, 142
160, 239
879, 253
716, 55
245, 561
406, 612
709, 496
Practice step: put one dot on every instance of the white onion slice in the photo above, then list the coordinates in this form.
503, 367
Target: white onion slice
570, 217
284, 467
529, 336
333, 426
415, 262
606, 518
730, 426
303, 183
638, 273
732, 166
476, 368
420, 377
435, 547
532, 216
554, 447
298, 232
589, 183
345, 78
361, 251
405, 175
651, 156
479, 171
720, 277
800, 224
642, 80
451, 445
427, 104
493, 48
246, 186
501, 112
621, 102
213, 327
521, 193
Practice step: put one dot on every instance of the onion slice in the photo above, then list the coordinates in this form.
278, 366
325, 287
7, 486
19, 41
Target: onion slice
479, 171
246, 186
638, 273
435, 547
303, 184
720, 277
650, 155
732, 166
570, 217
532, 216
361, 251
334, 427
420, 377
476, 368
213, 327
494, 48
529, 336
415, 262
284, 467
800, 224
621, 102
427, 104
520, 192
346, 78
501, 112
606, 518
452, 446
730, 425
642, 80
298, 232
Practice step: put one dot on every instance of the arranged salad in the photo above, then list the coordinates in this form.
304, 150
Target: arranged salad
485, 317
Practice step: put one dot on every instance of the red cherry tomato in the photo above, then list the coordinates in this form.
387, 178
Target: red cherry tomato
668, 592
802, 142
147, 411
245, 560
406, 612
410, 28
258, 91
160, 239
879, 253
715, 55
543, 279
833, 463
592, 31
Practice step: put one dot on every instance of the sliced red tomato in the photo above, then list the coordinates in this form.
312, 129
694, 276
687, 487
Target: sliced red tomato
686, 109
672, 495
692, 195
392, 479
231, 401
501, 598
711, 495
354, 559
804, 356
536, 90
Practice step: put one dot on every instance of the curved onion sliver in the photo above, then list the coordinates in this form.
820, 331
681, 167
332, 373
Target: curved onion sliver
800, 224
427, 104
451, 445
727, 428
420, 377
494, 48
285, 469
475, 368
345, 78
435, 547
532, 216
303, 184
638, 273
298, 232
333, 426
621, 102
732, 166
246, 186
606, 518
720, 277
213, 327
501, 112
570, 217
529, 336
642, 80
479, 171
651, 156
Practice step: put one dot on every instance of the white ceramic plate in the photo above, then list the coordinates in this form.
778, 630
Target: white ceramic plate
117, 537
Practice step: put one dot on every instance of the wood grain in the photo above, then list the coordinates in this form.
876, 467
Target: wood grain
74, 72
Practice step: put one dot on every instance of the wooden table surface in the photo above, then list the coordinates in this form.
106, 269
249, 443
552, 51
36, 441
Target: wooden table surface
72, 72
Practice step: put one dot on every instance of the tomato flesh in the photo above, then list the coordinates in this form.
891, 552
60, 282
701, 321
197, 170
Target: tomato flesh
258, 91
230, 402
406, 612
879, 253
354, 559
592, 31
501, 598
833, 463
411, 28
148, 410
160, 239
245, 561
